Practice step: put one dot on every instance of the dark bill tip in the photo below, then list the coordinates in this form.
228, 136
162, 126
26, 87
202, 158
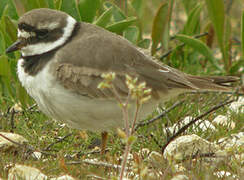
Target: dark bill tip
14, 47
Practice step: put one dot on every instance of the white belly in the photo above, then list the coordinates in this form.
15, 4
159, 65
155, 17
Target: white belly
77, 111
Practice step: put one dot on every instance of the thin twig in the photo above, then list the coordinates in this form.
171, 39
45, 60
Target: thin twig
155, 140
128, 144
96, 177
96, 151
197, 155
202, 155
183, 129
135, 117
31, 107
181, 45
229, 6
117, 96
10, 140
124, 107
26, 146
128, 98
159, 116
58, 141
125, 7
12, 120
126, 119
124, 162
96, 163
208, 92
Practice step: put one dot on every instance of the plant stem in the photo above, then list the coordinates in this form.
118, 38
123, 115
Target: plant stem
124, 108
124, 162
138, 105
129, 132
126, 120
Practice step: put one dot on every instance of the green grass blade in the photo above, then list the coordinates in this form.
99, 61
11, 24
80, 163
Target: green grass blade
2, 20
58, 4
2, 43
118, 15
216, 13
3, 33
50, 4
159, 25
188, 5
88, 9
236, 66
11, 29
166, 36
242, 33
145, 43
3, 4
70, 8
227, 44
176, 58
104, 19
5, 74
20, 7
7, 28
30, 4
139, 6
4, 67
12, 11
43, 3
132, 34
199, 46
193, 20
119, 27
22, 95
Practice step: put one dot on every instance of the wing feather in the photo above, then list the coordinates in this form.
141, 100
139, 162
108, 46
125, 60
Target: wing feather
82, 61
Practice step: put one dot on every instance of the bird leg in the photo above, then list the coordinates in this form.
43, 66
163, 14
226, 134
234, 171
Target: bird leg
104, 141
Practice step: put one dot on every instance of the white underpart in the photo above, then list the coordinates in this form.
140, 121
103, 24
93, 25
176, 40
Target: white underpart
25, 34
41, 48
77, 111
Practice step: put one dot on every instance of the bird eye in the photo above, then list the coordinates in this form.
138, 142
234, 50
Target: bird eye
25, 27
41, 34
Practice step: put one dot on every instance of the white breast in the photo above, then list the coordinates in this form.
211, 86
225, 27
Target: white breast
77, 111
34, 83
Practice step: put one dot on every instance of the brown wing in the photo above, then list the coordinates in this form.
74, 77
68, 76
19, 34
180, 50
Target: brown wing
94, 51
83, 80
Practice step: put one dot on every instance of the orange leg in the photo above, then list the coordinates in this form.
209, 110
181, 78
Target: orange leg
104, 142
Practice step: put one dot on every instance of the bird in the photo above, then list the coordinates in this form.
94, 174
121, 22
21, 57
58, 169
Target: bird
62, 61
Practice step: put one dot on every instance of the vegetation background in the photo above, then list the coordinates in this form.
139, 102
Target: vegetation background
202, 37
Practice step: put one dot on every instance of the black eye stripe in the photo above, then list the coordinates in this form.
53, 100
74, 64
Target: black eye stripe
26, 27
29, 28
41, 31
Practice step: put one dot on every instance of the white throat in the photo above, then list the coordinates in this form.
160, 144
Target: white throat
41, 48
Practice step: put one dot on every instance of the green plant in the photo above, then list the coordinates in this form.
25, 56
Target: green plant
200, 37
137, 92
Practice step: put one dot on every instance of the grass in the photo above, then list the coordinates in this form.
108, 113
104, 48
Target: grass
200, 57
41, 131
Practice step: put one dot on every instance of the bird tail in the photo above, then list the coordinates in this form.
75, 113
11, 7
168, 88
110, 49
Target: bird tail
213, 83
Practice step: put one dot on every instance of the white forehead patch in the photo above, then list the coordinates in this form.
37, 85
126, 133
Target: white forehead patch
49, 26
40, 48
25, 34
